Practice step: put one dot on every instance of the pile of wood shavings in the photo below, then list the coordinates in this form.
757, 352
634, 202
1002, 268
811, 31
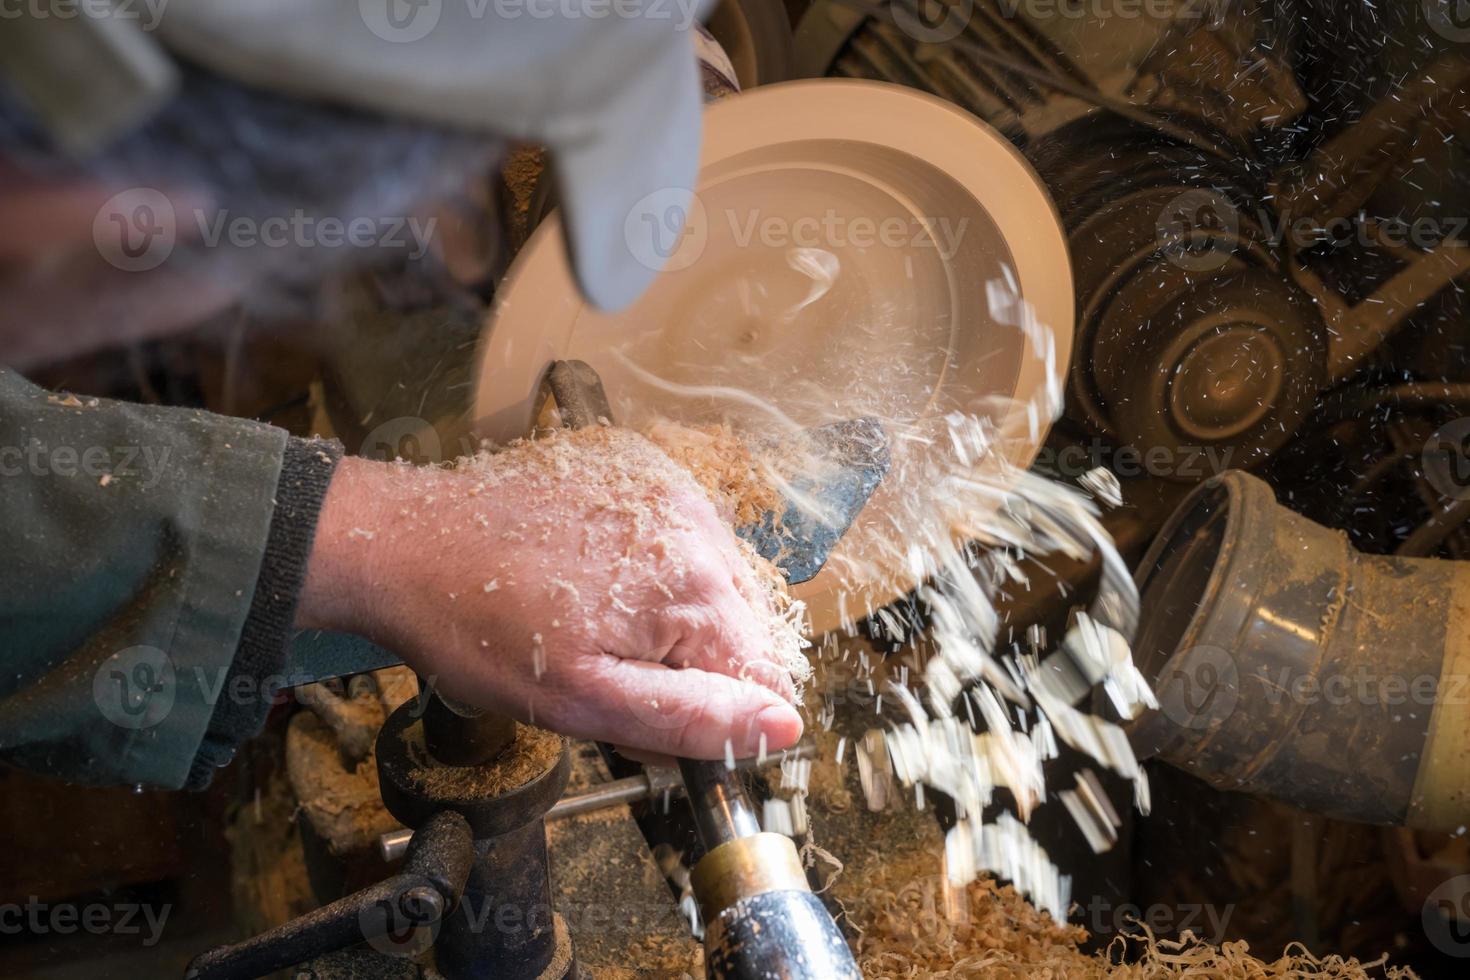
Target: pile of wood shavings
536, 750
723, 464
343, 804
912, 925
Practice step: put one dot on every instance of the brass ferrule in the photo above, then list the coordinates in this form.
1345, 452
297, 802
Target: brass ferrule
744, 867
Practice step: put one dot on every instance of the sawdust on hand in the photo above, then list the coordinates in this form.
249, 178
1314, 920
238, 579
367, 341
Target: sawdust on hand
638, 490
723, 465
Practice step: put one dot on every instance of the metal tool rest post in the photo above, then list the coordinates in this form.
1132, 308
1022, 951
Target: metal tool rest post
474, 899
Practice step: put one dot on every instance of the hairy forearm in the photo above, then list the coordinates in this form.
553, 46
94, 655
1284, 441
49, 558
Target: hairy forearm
342, 573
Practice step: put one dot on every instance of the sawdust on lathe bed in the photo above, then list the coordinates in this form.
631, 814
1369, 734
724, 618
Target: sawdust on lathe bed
912, 924
343, 804
885, 874
535, 750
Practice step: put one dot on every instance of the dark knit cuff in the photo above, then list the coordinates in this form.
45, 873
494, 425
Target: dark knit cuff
306, 472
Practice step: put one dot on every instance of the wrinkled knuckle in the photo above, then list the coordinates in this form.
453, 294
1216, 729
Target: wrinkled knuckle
692, 620
707, 716
767, 673
698, 560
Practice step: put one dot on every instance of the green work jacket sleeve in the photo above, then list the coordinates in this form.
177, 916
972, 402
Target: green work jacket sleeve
134, 539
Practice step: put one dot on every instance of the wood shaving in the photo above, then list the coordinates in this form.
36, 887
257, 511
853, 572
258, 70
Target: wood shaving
343, 804
723, 465
535, 751
911, 923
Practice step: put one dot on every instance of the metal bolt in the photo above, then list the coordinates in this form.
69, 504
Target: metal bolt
422, 903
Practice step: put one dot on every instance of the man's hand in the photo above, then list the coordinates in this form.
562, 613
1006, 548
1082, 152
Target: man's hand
584, 583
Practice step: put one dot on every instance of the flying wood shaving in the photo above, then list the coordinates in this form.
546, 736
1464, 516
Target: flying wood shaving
971, 495
968, 519
963, 730
1103, 484
1092, 811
